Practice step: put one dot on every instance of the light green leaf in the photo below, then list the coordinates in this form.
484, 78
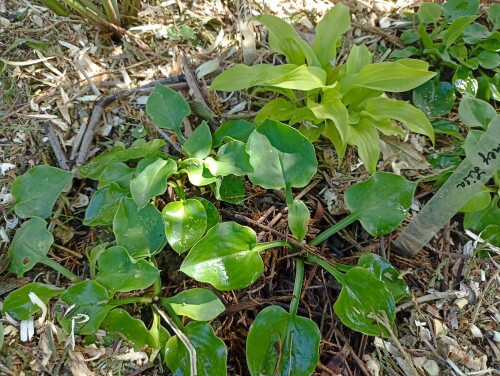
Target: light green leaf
224, 257
429, 12
118, 272
185, 223
365, 137
358, 58
211, 352
285, 40
31, 200
298, 217
489, 59
103, 205
493, 13
140, 231
474, 112
334, 110
118, 324
116, 172
198, 304
478, 202
301, 78
278, 109
329, 30
231, 159
479, 220
167, 108
151, 179
198, 173
454, 31
283, 344
199, 144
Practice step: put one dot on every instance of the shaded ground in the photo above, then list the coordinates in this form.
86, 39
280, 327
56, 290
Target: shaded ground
53, 71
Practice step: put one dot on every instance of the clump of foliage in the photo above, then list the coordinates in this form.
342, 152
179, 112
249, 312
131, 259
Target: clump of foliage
131, 190
345, 103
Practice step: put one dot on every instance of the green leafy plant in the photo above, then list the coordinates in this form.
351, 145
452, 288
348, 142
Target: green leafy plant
344, 103
452, 40
131, 184
111, 16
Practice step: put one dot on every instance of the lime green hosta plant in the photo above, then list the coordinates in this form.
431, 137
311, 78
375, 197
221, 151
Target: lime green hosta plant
344, 103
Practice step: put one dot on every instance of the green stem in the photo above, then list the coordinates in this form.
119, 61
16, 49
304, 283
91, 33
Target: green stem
297, 287
328, 267
332, 230
165, 304
264, 246
134, 300
157, 283
61, 269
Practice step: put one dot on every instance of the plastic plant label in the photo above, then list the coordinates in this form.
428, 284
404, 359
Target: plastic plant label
482, 161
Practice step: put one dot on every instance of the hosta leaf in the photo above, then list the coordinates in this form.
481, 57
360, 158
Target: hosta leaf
429, 12
280, 343
198, 173
119, 272
118, 323
233, 129
454, 31
231, 159
199, 144
19, 305
140, 231
211, 352
224, 257
298, 217
31, 200
213, 216
103, 205
185, 223
478, 202
278, 109
198, 304
365, 136
478, 221
474, 112
434, 98
116, 172
230, 189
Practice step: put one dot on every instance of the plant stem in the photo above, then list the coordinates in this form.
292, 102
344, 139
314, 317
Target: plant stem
61, 269
157, 283
177, 321
268, 245
330, 268
297, 287
332, 230
134, 300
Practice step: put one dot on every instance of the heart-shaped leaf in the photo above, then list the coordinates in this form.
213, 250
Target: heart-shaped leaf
198, 173
185, 223
151, 179
280, 156
119, 272
104, 204
381, 202
238, 130
198, 304
31, 200
478, 221
89, 301
429, 12
167, 108
229, 189
118, 323
211, 352
199, 144
29, 246
116, 172
279, 343
213, 216
491, 233
224, 257
474, 112
298, 217
19, 305
434, 98
140, 231
478, 202
385, 272
363, 296
231, 159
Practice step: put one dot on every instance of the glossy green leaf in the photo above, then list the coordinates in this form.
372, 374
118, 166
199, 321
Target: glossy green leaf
459, 8
104, 204
235, 129
393, 77
429, 12
280, 156
434, 98
119, 272
475, 112
118, 324
301, 78
94, 168
489, 59
116, 172
329, 30
198, 173
283, 344
365, 137
198, 304
229, 189
185, 223
298, 218
140, 231
359, 57
151, 181
19, 305
231, 159
225, 257
285, 40
89, 301
199, 144
385, 272
141, 149
454, 31
404, 53
213, 216
493, 13
29, 246
31, 201
478, 202
401, 111
443, 126
479, 220
362, 298
278, 109
491, 233
167, 108
333, 109
381, 202
464, 82
211, 352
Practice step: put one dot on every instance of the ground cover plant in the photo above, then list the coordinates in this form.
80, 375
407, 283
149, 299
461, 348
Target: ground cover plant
248, 240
